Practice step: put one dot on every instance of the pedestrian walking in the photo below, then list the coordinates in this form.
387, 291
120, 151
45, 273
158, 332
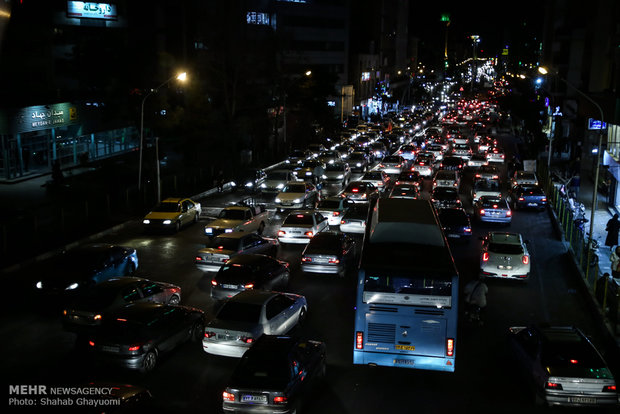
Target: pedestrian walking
612, 228
615, 262
575, 184
476, 299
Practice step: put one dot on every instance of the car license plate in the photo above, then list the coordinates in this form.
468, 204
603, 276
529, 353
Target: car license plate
254, 398
582, 400
455, 236
225, 286
106, 348
404, 347
532, 204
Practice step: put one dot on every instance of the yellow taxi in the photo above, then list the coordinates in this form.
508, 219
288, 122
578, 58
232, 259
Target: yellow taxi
172, 214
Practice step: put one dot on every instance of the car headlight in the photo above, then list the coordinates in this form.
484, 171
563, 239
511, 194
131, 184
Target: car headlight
341, 176
249, 184
72, 286
308, 173
39, 285
277, 200
359, 164
324, 176
279, 186
263, 185
297, 200
228, 231
209, 230
146, 221
167, 221
288, 161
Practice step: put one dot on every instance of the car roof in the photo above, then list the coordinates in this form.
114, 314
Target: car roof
248, 258
273, 345
173, 200
233, 235
253, 296
505, 238
120, 282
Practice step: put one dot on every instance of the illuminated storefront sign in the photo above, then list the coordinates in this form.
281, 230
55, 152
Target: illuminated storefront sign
365, 76
258, 18
88, 10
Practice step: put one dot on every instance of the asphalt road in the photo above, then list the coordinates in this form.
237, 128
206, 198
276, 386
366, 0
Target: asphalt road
36, 350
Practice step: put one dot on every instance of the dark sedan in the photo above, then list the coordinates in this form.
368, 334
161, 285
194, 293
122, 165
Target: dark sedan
250, 180
445, 197
328, 252
455, 223
274, 374
249, 271
528, 197
137, 335
85, 266
562, 367
452, 163
91, 307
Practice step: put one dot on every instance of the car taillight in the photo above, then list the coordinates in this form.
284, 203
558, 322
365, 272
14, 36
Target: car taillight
213, 282
449, 347
247, 339
281, 233
553, 386
544, 199
467, 230
248, 286
609, 388
336, 213
91, 343
521, 199
359, 340
508, 213
342, 221
134, 348
209, 334
485, 256
306, 259
482, 212
227, 396
525, 259
198, 258
280, 400
309, 233
334, 261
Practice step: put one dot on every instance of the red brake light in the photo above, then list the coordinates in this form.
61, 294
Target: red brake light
544, 199
248, 285
526, 260
521, 199
213, 282
553, 386
279, 400
228, 396
198, 258
209, 334
359, 340
342, 221
482, 212
220, 247
247, 340
91, 343
574, 361
449, 347
134, 348
609, 388
334, 261
309, 233
336, 213
485, 256
355, 190
299, 216
508, 213
281, 233
306, 259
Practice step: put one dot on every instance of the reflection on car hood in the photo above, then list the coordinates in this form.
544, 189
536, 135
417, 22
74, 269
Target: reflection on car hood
155, 215
290, 196
224, 224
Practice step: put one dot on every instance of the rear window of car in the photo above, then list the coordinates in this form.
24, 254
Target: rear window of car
573, 359
294, 219
294, 188
240, 312
330, 204
533, 191
373, 176
503, 248
391, 159
325, 242
224, 243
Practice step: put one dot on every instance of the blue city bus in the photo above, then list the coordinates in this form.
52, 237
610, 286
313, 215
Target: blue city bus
407, 290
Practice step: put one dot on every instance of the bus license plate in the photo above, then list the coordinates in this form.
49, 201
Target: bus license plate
405, 347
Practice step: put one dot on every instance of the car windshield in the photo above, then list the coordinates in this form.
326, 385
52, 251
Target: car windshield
277, 176
357, 156
231, 214
267, 372
486, 185
452, 216
493, 203
294, 188
294, 219
335, 167
444, 176
224, 243
98, 298
573, 357
329, 204
504, 248
357, 188
235, 311
373, 176
325, 242
167, 208
392, 159
311, 163
445, 192
532, 191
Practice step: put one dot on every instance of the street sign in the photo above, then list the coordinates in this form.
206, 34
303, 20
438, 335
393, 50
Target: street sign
594, 124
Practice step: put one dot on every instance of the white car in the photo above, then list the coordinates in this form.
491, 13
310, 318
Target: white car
504, 256
276, 180
337, 173
447, 178
380, 179
487, 172
392, 164
296, 195
524, 177
437, 150
483, 188
424, 164
354, 220
300, 226
227, 245
248, 315
495, 155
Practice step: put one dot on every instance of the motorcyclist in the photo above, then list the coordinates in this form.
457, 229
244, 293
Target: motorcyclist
476, 299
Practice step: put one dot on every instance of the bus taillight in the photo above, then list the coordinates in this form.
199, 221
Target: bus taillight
450, 347
359, 340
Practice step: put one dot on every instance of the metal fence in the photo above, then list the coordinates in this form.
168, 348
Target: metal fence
604, 289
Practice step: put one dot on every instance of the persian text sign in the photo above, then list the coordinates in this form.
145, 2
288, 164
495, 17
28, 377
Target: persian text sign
91, 10
35, 118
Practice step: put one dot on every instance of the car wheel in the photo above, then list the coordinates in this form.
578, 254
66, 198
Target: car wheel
261, 228
149, 362
197, 331
174, 300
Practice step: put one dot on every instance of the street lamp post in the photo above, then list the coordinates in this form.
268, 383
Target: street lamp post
181, 77
544, 71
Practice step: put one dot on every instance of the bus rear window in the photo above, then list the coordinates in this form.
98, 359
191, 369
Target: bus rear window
415, 285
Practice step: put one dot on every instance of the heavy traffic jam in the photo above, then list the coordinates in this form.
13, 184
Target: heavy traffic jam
416, 179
